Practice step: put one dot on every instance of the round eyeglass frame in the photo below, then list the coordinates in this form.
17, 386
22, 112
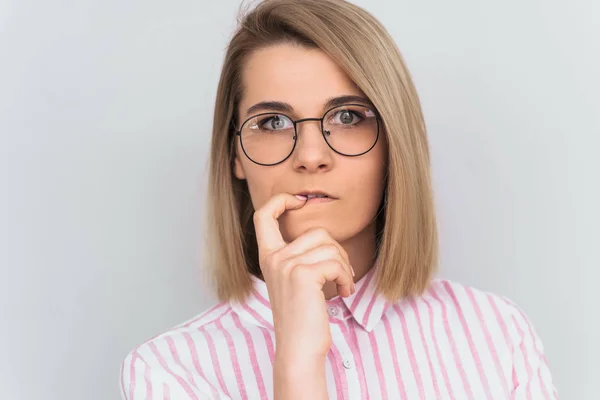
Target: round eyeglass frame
238, 132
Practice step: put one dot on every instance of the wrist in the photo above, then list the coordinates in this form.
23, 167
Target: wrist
299, 378
291, 364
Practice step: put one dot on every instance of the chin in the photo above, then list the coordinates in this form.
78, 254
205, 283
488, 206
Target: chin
292, 228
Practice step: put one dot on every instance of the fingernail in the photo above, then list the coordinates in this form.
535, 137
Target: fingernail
299, 197
352, 269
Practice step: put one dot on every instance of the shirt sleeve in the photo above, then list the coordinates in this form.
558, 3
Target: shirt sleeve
531, 373
140, 381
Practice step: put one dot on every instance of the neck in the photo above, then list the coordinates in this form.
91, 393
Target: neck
361, 252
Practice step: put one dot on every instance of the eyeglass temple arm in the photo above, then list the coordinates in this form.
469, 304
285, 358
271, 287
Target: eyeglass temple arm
235, 129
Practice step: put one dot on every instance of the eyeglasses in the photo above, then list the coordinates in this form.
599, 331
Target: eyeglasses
270, 138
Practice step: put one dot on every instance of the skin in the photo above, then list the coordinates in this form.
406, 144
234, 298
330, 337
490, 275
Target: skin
308, 251
306, 78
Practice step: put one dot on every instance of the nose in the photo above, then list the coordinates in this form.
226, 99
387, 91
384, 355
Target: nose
312, 154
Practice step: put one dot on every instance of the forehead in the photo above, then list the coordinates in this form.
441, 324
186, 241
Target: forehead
304, 78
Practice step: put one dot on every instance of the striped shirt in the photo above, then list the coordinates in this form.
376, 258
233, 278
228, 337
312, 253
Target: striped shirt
453, 342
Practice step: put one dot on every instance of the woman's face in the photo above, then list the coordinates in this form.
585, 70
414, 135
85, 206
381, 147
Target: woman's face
306, 79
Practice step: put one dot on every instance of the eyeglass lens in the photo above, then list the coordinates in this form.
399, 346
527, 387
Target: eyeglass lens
270, 138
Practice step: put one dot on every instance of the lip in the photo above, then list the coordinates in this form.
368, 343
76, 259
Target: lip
316, 192
317, 200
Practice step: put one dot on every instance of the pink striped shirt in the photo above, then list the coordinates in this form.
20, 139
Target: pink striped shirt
454, 342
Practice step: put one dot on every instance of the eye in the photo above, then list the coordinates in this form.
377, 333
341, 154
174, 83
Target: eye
275, 123
346, 117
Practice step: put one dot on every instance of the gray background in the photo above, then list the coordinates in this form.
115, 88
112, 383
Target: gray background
105, 118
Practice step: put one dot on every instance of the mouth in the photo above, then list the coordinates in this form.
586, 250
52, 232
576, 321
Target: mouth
316, 197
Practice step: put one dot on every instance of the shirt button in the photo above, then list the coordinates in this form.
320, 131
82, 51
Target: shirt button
347, 364
333, 311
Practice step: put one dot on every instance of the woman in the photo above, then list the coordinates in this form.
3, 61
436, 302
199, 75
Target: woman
324, 236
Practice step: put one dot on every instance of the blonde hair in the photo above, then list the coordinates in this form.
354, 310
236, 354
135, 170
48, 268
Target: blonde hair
407, 254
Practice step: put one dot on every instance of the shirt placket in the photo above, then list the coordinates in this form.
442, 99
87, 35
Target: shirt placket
343, 353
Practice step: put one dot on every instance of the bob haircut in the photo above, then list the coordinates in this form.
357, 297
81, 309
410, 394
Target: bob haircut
407, 242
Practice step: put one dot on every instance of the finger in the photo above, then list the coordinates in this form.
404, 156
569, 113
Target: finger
324, 252
333, 271
268, 236
312, 239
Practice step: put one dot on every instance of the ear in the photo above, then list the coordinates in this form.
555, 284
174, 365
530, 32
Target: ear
238, 169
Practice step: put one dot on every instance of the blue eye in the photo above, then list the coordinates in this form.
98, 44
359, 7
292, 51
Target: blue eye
275, 123
346, 117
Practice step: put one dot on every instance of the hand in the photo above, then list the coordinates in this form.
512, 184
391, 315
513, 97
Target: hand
295, 274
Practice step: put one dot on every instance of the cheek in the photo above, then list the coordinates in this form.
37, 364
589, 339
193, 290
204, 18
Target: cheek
368, 179
261, 184
367, 189
256, 189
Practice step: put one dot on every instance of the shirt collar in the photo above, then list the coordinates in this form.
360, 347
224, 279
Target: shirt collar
366, 305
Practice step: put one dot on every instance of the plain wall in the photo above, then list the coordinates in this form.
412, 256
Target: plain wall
105, 124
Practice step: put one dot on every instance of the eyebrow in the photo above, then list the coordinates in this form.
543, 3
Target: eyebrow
286, 107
